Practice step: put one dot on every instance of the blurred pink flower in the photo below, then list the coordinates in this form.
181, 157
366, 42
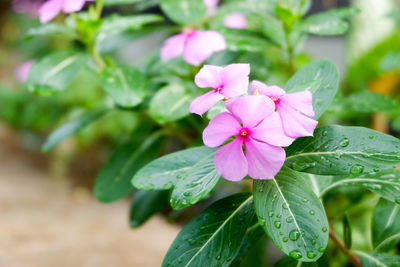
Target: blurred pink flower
196, 46
235, 21
212, 6
26, 7
295, 109
254, 123
227, 82
21, 73
51, 8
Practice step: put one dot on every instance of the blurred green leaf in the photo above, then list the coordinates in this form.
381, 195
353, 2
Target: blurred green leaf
184, 11
117, 23
238, 40
204, 240
52, 29
373, 259
390, 61
145, 204
369, 102
340, 150
292, 215
347, 231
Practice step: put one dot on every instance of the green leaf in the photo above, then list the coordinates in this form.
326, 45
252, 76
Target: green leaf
184, 11
369, 102
216, 109
321, 78
165, 172
126, 85
71, 127
287, 261
145, 204
292, 215
324, 24
390, 61
52, 29
347, 231
117, 23
114, 179
372, 259
195, 184
385, 225
213, 238
340, 150
171, 103
244, 40
55, 72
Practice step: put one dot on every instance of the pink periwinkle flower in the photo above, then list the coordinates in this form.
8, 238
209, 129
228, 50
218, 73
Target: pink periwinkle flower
252, 121
51, 8
212, 6
295, 109
196, 46
235, 20
226, 82
22, 71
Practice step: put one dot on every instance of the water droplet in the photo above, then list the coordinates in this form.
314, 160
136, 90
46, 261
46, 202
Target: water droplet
294, 235
270, 213
371, 137
150, 187
376, 169
188, 194
313, 242
285, 239
228, 258
278, 216
295, 254
312, 212
289, 219
191, 241
397, 200
324, 133
284, 206
321, 249
324, 229
311, 254
180, 260
274, 196
357, 169
218, 257
344, 142
278, 224
168, 185
261, 221
305, 200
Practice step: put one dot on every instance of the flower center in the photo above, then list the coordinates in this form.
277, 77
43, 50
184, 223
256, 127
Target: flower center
244, 132
275, 99
219, 88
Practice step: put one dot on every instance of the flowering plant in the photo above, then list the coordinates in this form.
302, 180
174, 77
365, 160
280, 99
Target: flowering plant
221, 63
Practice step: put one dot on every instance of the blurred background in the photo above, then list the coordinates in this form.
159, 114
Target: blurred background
48, 214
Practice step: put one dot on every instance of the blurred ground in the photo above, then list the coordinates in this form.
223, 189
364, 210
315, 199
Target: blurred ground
44, 223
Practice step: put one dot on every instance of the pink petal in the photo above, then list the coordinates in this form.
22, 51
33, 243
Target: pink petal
270, 131
22, 72
73, 5
264, 160
209, 77
49, 10
212, 6
263, 89
251, 110
204, 102
295, 124
301, 101
201, 45
221, 128
235, 20
235, 78
173, 46
230, 161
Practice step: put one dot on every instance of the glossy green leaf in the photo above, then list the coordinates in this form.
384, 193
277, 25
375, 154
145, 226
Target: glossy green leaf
126, 85
195, 184
184, 11
369, 102
114, 179
171, 103
214, 237
385, 225
340, 150
117, 23
292, 215
52, 29
324, 24
145, 204
71, 127
244, 40
287, 261
216, 109
321, 78
55, 72
373, 259
165, 172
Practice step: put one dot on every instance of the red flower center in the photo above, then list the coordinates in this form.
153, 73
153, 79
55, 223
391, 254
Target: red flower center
244, 132
219, 88
275, 99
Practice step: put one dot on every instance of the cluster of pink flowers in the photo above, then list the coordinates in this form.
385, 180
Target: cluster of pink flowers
263, 122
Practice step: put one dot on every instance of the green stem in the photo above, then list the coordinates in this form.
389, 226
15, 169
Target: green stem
353, 258
290, 51
99, 8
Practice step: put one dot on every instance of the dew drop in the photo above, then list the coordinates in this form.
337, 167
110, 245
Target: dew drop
278, 216
168, 185
294, 235
344, 142
277, 224
295, 254
305, 200
313, 242
321, 249
324, 133
188, 194
284, 206
191, 241
218, 257
312, 212
285, 239
357, 169
289, 219
311, 254
371, 137
261, 221
324, 229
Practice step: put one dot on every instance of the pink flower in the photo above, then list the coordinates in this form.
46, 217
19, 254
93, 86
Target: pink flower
254, 123
26, 7
51, 8
212, 6
22, 71
196, 46
235, 21
295, 109
227, 82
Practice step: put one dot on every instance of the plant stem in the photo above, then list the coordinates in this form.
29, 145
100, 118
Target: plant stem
290, 51
353, 258
99, 8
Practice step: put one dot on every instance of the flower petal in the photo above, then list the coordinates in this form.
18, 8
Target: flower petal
204, 102
263, 89
230, 161
220, 129
73, 5
251, 110
264, 160
173, 46
23, 70
270, 131
235, 78
209, 77
235, 20
202, 44
301, 101
49, 10
295, 124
